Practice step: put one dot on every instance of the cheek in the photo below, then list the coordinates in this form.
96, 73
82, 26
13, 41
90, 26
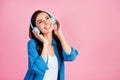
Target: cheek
41, 27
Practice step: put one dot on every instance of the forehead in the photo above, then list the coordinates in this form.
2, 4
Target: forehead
41, 15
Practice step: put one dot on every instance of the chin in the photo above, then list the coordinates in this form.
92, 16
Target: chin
47, 32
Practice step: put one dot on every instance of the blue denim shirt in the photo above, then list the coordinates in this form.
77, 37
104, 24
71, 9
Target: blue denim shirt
37, 66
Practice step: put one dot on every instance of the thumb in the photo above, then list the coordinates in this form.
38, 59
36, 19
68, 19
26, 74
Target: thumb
55, 28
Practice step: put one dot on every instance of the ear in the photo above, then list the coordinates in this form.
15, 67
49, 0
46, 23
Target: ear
53, 20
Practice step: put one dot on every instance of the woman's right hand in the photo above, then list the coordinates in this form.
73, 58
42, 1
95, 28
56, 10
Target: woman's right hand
40, 37
45, 44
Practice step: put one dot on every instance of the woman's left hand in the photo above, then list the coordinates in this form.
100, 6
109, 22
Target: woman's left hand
58, 28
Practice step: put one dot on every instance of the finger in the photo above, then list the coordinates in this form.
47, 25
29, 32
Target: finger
55, 28
35, 33
58, 24
41, 36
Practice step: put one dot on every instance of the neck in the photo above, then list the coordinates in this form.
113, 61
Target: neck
48, 36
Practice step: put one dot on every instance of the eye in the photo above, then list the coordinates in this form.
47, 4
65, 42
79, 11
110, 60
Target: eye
47, 17
40, 22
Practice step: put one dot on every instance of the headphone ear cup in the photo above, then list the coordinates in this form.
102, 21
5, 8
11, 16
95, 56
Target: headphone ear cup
36, 29
53, 20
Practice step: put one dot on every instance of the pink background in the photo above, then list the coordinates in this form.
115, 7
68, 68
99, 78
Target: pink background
91, 26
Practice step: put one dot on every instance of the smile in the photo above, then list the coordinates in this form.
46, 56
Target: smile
47, 27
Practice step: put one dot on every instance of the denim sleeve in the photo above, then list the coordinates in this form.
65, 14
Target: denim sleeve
36, 62
71, 56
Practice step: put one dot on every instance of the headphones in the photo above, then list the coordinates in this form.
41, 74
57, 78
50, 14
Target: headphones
36, 28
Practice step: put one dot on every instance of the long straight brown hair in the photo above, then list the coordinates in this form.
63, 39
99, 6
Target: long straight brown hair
38, 42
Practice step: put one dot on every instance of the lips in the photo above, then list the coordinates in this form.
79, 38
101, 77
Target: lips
47, 27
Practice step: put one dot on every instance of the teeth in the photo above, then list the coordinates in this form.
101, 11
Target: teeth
46, 27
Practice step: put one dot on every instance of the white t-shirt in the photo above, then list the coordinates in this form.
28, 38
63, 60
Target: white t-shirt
52, 72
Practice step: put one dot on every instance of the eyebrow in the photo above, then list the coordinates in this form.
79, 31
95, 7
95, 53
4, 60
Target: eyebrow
41, 18
38, 20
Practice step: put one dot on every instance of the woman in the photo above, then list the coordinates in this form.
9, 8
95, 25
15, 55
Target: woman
48, 49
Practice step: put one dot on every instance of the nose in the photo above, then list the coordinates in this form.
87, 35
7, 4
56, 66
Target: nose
46, 21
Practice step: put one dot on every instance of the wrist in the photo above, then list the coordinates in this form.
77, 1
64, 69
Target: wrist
60, 34
45, 44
